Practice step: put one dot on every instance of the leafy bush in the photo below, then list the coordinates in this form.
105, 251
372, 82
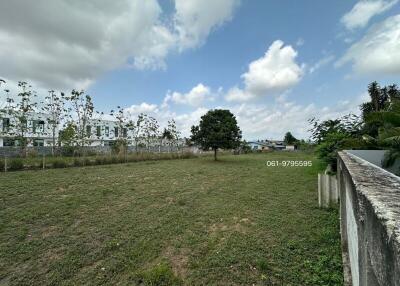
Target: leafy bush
99, 161
78, 162
15, 164
67, 151
119, 147
88, 162
59, 163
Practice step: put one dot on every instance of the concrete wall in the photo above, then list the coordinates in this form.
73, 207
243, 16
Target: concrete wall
376, 157
327, 190
370, 222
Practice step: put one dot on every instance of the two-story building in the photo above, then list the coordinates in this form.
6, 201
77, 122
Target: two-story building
34, 127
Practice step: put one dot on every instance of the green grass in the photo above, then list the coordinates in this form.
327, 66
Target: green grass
178, 222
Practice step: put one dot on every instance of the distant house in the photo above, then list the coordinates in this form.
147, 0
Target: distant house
266, 145
290, 147
259, 146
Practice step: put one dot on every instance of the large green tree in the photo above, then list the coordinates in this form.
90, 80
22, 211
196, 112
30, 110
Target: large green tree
218, 129
289, 139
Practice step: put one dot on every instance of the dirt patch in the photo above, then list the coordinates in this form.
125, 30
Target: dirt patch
179, 259
237, 224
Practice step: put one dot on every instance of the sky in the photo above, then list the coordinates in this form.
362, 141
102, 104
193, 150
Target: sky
274, 64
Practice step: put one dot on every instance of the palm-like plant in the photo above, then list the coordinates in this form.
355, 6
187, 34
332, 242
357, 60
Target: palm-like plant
388, 132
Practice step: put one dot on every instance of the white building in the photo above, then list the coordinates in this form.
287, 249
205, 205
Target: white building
36, 129
38, 132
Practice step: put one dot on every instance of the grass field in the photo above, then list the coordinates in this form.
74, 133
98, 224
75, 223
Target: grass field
189, 222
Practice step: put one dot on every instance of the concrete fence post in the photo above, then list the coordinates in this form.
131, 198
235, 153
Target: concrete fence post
327, 190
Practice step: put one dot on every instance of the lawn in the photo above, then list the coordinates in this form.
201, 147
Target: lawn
189, 222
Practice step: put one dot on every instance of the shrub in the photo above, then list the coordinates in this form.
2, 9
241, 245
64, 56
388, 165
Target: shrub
113, 160
78, 162
88, 162
31, 153
100, 161
67, 151
15, 164
60, 163
1, 165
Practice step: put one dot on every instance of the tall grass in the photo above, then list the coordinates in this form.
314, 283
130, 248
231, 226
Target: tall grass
32, 163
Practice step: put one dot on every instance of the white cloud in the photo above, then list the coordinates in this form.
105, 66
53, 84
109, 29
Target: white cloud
142, 108
272, 122
239, 95
195, 97
67, 44
378, 51
273, 73
322, 62
195, 19
258, 121
364, 10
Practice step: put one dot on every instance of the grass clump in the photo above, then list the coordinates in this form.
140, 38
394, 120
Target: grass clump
15, 164
159, 275
59, 163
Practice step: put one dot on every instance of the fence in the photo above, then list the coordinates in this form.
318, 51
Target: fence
46, 151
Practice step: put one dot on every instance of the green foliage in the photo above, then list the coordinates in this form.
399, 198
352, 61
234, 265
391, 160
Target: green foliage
119, 147
218, 129
67, 135
289, 139
79, 162
379, 127
159, 275
335, 135
15, 164
60, 163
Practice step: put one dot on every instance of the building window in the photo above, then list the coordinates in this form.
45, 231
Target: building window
98, 131
107, 131
6, 125
125, 132
88, 130
115, 131
37, 126
7, 142
38, 142
24, 122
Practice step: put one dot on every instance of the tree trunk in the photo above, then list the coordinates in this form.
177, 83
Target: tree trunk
54, 141
215, 154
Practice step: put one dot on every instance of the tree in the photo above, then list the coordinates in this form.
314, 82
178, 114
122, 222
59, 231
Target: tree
382, 99
332, 136
83, 107
21, 111
54, 107
150, 129
137, 130
67, 135
123, 124
289, 139
218, 129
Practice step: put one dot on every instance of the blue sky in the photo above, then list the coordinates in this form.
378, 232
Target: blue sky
275, 64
